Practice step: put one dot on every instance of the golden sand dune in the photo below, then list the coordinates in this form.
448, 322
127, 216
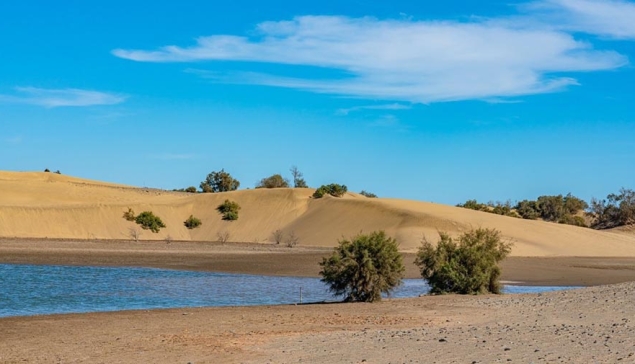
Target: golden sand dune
39, 205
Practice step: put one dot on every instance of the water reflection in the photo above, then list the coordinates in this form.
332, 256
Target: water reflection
45, 289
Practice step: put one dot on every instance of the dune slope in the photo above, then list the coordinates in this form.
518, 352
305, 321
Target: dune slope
46, 205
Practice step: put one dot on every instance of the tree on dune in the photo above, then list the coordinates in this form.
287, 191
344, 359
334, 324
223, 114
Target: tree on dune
219, 181
275, 181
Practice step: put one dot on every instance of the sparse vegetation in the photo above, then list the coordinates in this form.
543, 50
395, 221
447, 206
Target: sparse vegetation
560, 209
368, 194
229, 209
275, 181
466, 266
298, 180
292, 240
192, 222
364, 267
220, 181
129, 215
277, 236
148, 221
617, 210
333, 189
223, 236
134, 233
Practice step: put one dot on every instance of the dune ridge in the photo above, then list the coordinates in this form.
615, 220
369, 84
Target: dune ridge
47, 205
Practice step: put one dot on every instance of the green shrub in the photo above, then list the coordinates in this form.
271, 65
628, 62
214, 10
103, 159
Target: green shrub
149, 221
368, 194
190, 189
192, 222
469, 266
364, 267
275, 181
129, 215
333, 189
528, 209
229, 209
474, 205
617, 210
220, 181
573, 220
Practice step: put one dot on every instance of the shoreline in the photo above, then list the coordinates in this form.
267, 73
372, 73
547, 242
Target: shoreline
592, 324
276, 260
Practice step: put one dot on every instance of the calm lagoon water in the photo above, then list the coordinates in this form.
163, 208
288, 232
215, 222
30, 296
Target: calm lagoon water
44, 289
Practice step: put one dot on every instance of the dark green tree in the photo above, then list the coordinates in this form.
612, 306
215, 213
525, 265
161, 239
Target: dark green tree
220, 181
466, 266
364, 267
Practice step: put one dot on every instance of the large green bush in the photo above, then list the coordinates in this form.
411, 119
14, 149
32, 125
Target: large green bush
229, 209
466, 266
220, 181
149, 221
364, 267
333, 189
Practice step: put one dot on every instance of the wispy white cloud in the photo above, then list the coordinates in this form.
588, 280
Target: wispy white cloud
406, 60
393, 106
609, 18
61, 97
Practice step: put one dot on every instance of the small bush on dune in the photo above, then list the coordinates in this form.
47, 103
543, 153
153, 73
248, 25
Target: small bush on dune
149, 221
192, 222
229, 209
275, 181
129, 215
364, 267
333, 189
466, 266
368, 194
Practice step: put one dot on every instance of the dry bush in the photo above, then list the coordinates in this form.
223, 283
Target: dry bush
223, 236
277, 236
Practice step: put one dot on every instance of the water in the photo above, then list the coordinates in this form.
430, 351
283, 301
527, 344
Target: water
44, 289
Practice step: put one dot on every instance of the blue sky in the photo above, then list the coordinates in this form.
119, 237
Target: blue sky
439, 102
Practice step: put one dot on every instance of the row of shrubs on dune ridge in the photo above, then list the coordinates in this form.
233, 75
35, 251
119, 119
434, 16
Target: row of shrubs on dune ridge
618, 209
222, 181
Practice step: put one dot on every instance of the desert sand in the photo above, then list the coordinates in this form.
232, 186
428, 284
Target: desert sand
47, 205
51, 219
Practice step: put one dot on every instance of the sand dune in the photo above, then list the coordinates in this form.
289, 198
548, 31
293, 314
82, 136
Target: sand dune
47, 205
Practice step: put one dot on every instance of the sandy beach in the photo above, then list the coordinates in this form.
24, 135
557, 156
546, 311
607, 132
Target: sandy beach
590, 325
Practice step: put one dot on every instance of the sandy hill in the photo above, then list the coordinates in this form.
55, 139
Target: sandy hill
40, 205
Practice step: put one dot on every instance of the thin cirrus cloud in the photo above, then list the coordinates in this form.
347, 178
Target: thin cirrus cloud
51, 98
405, 60
608, 18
